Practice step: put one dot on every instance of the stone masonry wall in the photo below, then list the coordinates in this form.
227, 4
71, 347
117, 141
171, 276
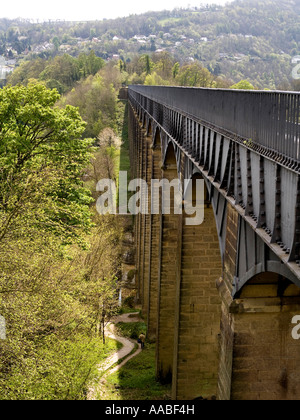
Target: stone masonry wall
199, 311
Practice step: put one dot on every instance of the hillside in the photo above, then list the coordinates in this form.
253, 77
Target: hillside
247, 39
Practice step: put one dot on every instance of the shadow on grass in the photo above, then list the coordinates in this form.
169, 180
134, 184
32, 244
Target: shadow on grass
136, 379
124, 160
124, 152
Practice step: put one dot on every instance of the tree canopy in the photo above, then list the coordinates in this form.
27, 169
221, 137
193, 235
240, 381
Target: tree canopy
42, 156
58, 260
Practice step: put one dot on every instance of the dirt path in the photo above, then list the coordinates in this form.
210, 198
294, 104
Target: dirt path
127, 347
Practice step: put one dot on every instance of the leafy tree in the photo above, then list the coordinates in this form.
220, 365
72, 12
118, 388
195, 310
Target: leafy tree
155, 80
26, 71
296, 85
195, 75
101, 264
61, 72
53, 293
164, 63
42, 157
148, 64
243, 85
175, 70
63, 69
56, 43
144, 64
96, 98
89, 64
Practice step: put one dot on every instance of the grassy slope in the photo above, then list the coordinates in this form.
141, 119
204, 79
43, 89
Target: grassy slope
136, 380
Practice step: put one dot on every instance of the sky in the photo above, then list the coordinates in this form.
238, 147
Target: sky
75, 10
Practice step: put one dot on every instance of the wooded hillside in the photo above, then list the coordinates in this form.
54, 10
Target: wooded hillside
247, 39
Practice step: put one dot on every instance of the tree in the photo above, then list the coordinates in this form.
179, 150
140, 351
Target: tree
101, 265
155, 80
26, 71
175, 70
89, 64
195, 75
57, 269
243, 85
147, 64
96, 99
296, 85
104, 162
164, 63
56, 43
42, 157
63, 69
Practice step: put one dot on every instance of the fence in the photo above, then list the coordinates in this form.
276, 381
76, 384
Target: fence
269, 119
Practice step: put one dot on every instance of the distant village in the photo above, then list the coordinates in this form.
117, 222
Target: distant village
151, 43
6, 67
114, 47
138, 43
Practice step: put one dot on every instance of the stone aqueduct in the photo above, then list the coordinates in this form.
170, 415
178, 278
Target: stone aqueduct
219, 298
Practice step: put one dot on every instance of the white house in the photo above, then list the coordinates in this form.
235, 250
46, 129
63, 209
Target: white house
296, 59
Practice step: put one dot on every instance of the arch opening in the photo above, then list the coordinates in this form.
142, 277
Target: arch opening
157, 140
149, 129
170, 156
265, 354
169, 222
268, 284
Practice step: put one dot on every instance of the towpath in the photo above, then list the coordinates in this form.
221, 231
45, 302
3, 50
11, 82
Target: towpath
127, 347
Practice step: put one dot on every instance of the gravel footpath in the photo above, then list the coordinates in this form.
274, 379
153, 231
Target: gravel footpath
127, 347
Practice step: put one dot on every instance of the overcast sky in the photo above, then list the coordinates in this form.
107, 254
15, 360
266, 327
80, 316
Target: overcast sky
90, 9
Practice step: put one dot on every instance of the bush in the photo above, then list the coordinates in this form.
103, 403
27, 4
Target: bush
132, 330
129, 302
59, 370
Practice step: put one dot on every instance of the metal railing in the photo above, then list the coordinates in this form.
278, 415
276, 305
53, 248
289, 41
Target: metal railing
264, 119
